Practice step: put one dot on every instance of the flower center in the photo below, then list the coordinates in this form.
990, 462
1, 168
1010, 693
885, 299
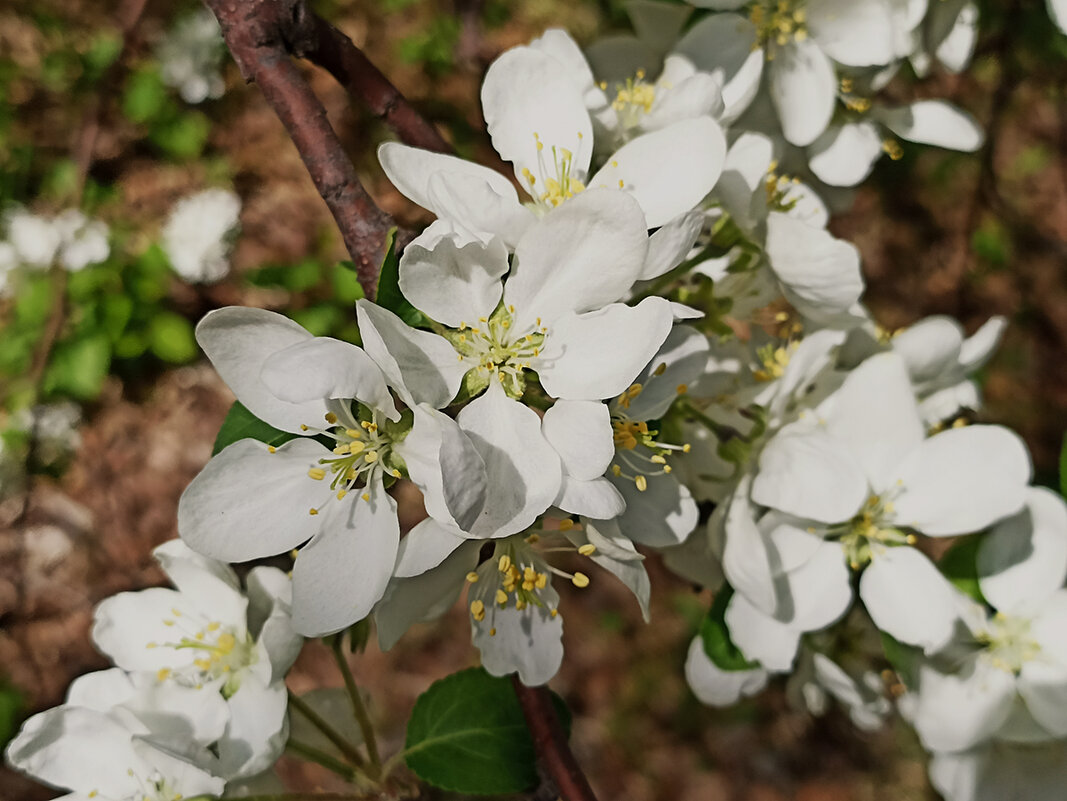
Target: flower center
494, 348
628, 433
558, 181
774, 360
517, 572
872, 528
156, 787
1008, 642
221, 651
633, 99
779, 189
778, 22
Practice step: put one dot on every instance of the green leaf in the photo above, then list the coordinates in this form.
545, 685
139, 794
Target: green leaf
34, 301
717, 643
182, 136
145, 95
389, 295
78, 367
242, 424
346, 288
903, 658
320, 319
10, 709
170, 337
1063, 467
960, 566
467, 734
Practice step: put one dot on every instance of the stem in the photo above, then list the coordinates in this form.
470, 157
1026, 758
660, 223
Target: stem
312, 754
351, 753
306, 797
359, 709
550, 743
256, 33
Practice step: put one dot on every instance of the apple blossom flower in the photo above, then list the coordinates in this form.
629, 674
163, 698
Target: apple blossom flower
72, 239
333, 498
190, 57
199, 234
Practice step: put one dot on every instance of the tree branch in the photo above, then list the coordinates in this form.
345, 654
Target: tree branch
254, 32
309, 36
550, 742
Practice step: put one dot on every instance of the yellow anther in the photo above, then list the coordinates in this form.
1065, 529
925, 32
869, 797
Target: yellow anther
621, 184
356, 446
642, 483
303, 427
214, 626
501, 597
492, 632
317, 473
616, 470
313, 511
681, 389
151, 645
365, 496
162, 674
331, 418
566, 524
553, 612
667, 468
541, 581
587, 550
355, 433
580, 580
271, 449
294, 553
226, 642
504, 565
341, 493
168, 622
199, 635
472, 577
478, 610
661, 369
370, 457
203, 664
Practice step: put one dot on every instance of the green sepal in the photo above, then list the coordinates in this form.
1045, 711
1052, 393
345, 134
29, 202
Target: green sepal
715, 635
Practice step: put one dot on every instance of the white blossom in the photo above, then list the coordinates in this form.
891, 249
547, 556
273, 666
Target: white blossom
199, 233
190, 57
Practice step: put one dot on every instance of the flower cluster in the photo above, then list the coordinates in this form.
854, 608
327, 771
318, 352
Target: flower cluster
34, 242
644, 337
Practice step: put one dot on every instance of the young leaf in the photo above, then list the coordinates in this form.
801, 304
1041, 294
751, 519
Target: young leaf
171, 338
389, 295
242, 424
78, 367
467, 734
717, 643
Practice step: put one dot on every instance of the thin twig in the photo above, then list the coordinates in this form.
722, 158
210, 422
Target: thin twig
307, 797
350, 752
312, 754
254, 32
359, 709
550, 743
309, 36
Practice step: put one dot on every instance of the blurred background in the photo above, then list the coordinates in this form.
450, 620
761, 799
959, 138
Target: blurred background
107, 410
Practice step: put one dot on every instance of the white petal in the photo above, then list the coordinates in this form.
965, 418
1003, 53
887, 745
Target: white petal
451, 280
577, 258
125, 624
845, 154
1043, 687
955, 48
557, 43
212, 585
668, 171
182, 719
662, 515
980, 346
527, 92
426, 546
616, 554
339, 576
963, 480
680, 361
668, 247
957, 711
740, 187
725, 45
1047, 626
875, 415
410, 169
909, 599
257, 732
248, 503
477, 206
581, 433
596, 498
816, 593
524, 471
935, 122
853, 32
1023, 560
808, 473
804, 88
697, 95
238, 341
819, 273
930, 348
270, 596
527, 641
598, 355
761, 637
745, 560
717, 687
445, 466
423, 597
422, 367
328, 368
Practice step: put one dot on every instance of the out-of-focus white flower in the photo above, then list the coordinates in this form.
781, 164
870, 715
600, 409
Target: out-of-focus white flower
54, 427
199, 233
191, 57
84, 241
1057, 11
35, 242
34, 238
948, 34
818, 677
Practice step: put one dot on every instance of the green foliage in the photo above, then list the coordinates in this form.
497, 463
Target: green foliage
10, 712
433, 48
904, 659
78, 368
145, 96
389, 295
242, 424
960, 566
992, 243
467, 734
716, 636
170, 337
179, 132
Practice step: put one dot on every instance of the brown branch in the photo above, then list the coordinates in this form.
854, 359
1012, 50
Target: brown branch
309, 36
253, 30
550, 742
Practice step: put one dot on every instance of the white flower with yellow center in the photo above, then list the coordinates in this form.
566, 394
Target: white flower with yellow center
514, 610
860, 473
537, 117
253, 500
94, 756
212, 642
796, 43
1004, 675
